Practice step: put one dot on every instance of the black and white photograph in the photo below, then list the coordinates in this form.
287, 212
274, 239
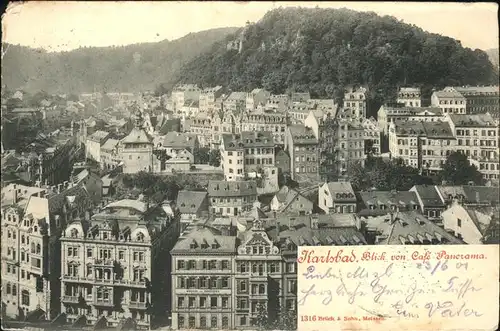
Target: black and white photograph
169, 165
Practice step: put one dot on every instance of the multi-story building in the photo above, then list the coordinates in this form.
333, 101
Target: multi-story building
31, 251
266, 121
208, 97
300, 97
410, 96
277, 102
203, 280
224, 122
114, 265
479, 99
181, 93
371, 132
350, 144
298, 112
175, 142
449, 100
389, 113
477, 137
302, 145
201, 125
231, 198
246, 152
255, 98
193, 205
235, 102
136, 148
110, 156
423, 145
94, 143
337, 197
355, 99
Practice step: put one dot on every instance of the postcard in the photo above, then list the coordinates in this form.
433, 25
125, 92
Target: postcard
398, 287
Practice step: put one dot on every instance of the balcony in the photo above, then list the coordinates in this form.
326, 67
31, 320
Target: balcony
103, 281
103, 262
103, 302
71, 278
70, 299
137, 305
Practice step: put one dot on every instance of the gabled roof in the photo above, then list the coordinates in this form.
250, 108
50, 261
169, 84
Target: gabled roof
302, 135
137, 136
189, 202
341, 191
110, 144
128, 203
429, 195
409, 227
180, 140
473, 120
221, 188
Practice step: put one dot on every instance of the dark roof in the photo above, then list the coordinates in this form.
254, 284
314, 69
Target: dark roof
247, 140
205, 240
482, 194
429, 195
302, 135
221, 188
375, 199
473, 120
180, 140
189, 202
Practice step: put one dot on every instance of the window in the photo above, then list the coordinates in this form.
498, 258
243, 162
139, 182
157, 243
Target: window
203, 302
243, 286
225, 322
181, 322
89, 252
25, 298
213, 302
192, 302
213, 322
243, 320
225, 302
459, 222
121, 255
203, 322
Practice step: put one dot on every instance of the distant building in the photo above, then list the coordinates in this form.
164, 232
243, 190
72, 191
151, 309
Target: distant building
302, 146
390, 113
410, 96
137, 149
291, 202
282, 161
379, 203
355, 99
337, 197
207, 98
235, 102
192, 205
93, 145
266, 121
184, 92
300, 97
449, 100
246, 152
255, 98
477, 137
479, 99
231, 198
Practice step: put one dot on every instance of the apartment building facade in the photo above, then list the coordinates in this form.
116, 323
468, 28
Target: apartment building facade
355, 99
110, 265
231, 198
480, 99
275, 123
302, 146
410, 96
449, 100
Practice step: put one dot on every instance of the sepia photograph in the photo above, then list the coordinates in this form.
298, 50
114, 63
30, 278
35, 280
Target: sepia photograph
310, 166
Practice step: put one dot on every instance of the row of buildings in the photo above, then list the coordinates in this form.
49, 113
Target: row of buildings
208, 260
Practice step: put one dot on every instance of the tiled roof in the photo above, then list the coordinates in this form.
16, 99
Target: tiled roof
300, 96
410, 227
137, 136
481, 220
302, 135
471, 90
409, 127
189, 202
473, 120
304, 235
98, 135
411, 111
180, 140
247, 140
57, 201
448, 94
482, 194
237, 96
341, 191
110, 144
221, 188
128, 203
429, 195
373, 201
205, 240
438, 130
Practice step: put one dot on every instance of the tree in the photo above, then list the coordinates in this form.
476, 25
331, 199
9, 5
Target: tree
202, 156
262, 319
287, 320
214, 157
457, 170
492, 232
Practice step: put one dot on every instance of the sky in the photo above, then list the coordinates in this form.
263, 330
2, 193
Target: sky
63, 26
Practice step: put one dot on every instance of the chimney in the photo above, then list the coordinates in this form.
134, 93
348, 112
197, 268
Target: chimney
38, 183
59, 188
314, 222
66, 184
14, 194
478, 198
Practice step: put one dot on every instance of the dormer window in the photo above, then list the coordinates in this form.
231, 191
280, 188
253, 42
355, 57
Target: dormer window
74, 233
215, 245
140, 236
193, 245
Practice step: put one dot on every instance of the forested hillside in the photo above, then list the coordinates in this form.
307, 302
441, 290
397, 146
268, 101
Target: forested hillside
324, 50
493, 54
128, 68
